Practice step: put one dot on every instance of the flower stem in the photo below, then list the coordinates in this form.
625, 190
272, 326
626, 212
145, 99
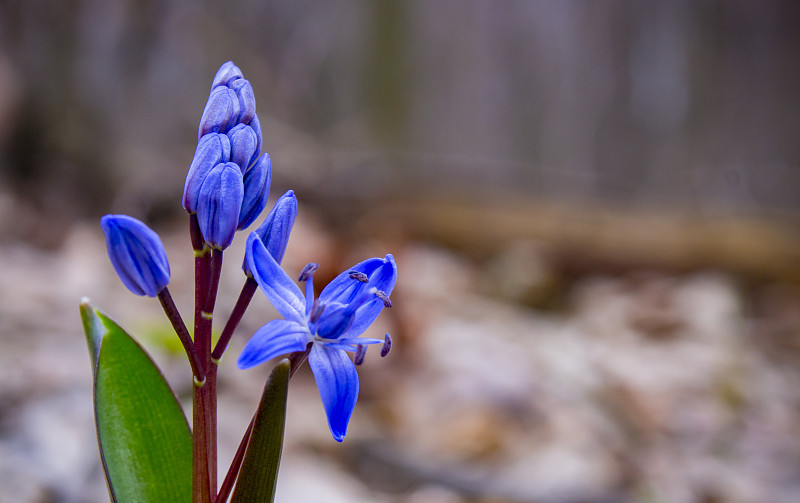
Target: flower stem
245, 296
183, 333
203, 483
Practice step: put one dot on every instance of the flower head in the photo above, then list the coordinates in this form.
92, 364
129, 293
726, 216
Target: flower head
137, 254
331, 323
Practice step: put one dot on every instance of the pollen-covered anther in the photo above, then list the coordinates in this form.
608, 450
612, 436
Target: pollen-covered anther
307, 271
385, 298
316, 311
359, 276
387, 345
361, 352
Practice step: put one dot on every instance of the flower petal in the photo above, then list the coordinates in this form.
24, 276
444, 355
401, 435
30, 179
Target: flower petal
337, 381
381, 274
278, 337
274, 282
383, 279
219, 204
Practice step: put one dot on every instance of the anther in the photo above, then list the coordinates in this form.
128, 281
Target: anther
307, 271
387, 345
361, 352
385, 298
316, 311
359, 276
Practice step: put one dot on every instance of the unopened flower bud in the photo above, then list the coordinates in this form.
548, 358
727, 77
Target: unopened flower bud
137, 254
227, 73
222, 110
219, 204
256, 125
212, 149
274, 231
247, 100
256, 189
243, 145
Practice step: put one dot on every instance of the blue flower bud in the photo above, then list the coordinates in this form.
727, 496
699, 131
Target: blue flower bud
219, 204
243, 145
247, 100
275, 230
256, 189
212, 149
256, 125
227, 73
222, 110
137, 254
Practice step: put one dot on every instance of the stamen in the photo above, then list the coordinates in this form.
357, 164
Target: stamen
316, 311
308, 270
387, 345
361, 352
359, 276
385, 298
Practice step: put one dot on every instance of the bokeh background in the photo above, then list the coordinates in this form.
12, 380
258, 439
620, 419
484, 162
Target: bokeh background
594, 208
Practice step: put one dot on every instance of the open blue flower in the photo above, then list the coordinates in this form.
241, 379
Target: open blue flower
331, 324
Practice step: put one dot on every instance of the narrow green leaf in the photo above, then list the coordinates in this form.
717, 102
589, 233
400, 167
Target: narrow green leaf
259, 473
144, 439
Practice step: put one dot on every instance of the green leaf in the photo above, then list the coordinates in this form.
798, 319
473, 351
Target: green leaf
144, 439
259, 473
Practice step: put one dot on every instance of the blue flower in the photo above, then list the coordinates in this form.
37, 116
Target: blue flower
137, 254
219, 204
331, 324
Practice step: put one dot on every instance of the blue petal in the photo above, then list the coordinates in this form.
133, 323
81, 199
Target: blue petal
274, 231
227, 73
256, 188
219, 204
274, 282
243, 145
278, 337
247, 100
220, 112
382, 274
256, 125
337, 381
212, 149
343, 288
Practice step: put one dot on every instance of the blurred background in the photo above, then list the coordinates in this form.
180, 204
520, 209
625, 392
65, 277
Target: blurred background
593, 205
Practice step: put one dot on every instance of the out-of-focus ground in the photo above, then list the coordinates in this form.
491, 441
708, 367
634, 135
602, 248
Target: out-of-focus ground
594, 207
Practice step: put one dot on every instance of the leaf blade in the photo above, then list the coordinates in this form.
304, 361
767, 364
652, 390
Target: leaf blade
259, 473
143, 436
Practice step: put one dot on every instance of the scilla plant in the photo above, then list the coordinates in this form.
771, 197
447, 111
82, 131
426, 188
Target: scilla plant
148, 451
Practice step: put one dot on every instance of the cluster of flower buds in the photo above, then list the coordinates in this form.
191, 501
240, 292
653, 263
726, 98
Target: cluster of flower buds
228, 181
226, 187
